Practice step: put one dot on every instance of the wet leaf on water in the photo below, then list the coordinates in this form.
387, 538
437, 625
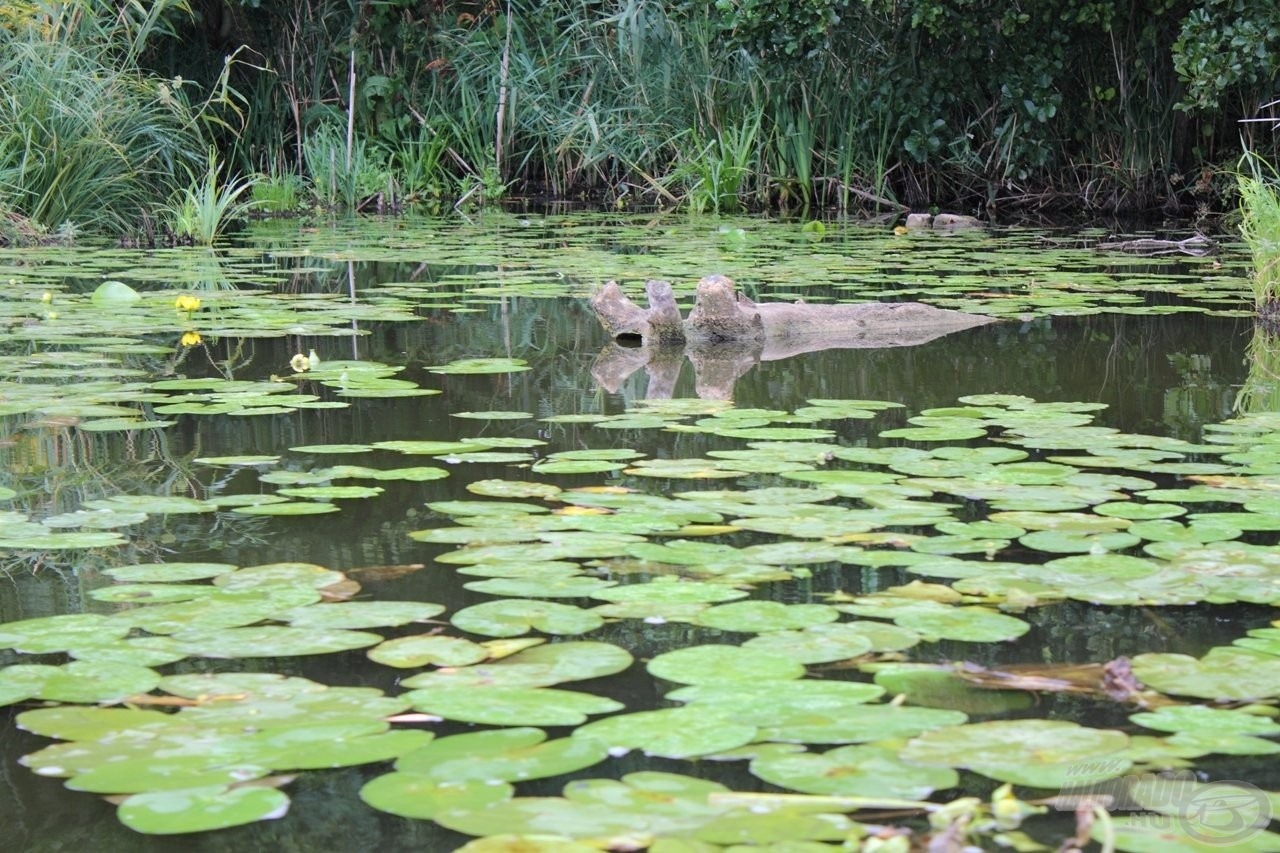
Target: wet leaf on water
500, 755
510, 706
201, 809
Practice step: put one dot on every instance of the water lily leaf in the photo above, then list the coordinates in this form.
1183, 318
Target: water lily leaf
48, 634
201, 809
270, 641
149, 593
868, 770
20, 682
513, 489
718, 664
500, 755
278, 575
429, 448
528, 843
332, 492
151, 504
640, 804
664, 591
328, 448
97, 681
1039, 753
668, 733
137, 775
539, 666
1224, 673
362, 614
956, 432
42, 540
482, 365
494, 415
768, 703
1140, 834
287, 508
753, 617
323, 745
87, 723
414, 795
1204, 730
1140, 511
512, 617
572, 586
428, 649
815, 644
138, 651
508, 706
856, 723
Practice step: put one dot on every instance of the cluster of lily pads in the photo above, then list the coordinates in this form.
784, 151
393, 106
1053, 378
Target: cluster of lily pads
813, 695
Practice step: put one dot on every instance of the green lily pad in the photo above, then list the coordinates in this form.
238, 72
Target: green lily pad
413, 795
512, 617
867, 770
362, 614
482, 365
1039, 753
718, 664
269, 641
201, 809
507, 706
753, 617
428, 649
1225, 673
539, 666
815, 644
48, 634
500, 755
668, 733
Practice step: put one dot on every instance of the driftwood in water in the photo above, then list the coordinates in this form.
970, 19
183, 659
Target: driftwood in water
779, 329
1197, 244
726, 334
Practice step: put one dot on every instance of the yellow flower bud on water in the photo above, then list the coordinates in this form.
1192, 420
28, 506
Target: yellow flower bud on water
187, 302
191, 339
52, 315
45, 297
299, 363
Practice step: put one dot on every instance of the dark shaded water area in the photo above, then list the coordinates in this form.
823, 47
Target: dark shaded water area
1163, 375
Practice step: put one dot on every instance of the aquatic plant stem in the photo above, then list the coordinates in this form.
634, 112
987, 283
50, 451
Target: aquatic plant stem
504, 70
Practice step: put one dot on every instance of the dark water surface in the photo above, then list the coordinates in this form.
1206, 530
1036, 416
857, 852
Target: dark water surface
1162, 375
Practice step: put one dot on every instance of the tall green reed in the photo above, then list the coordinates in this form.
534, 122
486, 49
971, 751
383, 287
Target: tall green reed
1260, 226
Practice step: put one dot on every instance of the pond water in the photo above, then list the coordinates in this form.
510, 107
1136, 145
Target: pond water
426, 415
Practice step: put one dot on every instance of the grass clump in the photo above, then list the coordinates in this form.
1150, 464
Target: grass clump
204, 208
85, 137
1260, 227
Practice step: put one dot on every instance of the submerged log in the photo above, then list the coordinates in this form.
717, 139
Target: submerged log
1196, 245
779, 329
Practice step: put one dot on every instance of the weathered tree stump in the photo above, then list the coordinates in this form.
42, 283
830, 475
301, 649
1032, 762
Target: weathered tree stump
780, 329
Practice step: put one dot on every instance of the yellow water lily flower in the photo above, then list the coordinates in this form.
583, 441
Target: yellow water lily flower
191, 339
299, 363
187, 302
45, 297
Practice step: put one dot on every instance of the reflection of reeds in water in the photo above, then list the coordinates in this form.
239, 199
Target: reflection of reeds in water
1261, 390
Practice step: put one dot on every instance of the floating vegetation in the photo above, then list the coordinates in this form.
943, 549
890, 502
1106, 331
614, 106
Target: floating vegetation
677, 579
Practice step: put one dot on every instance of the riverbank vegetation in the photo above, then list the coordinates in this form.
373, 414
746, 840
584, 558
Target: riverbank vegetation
852, 105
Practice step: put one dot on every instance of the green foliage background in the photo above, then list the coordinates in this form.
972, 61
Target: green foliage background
1121, 106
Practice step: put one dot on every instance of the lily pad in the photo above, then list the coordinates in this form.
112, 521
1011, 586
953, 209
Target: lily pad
507, 706
201, 809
